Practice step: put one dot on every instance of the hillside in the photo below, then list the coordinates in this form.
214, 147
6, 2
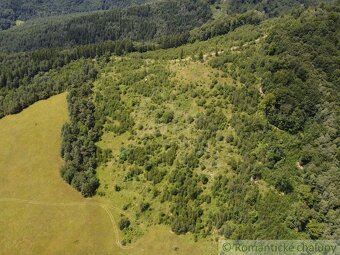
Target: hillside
191, 128
41, 214
92, 23
272, 8
11, 11
222, 135
138, 23
36, 206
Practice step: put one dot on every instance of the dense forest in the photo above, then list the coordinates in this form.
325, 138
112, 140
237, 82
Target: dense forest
297, 66
271, 8
138, 23
224, 25
13, 10
212, 124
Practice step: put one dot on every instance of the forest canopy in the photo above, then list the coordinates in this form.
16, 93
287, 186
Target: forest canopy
13, 10
138, 23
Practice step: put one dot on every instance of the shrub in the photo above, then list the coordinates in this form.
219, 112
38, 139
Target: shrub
144, 206
124, 223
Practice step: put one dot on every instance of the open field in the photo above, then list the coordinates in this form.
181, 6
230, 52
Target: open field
29, 153
40, 214
29, 165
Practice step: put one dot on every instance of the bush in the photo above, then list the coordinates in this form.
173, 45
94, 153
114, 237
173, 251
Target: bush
283, 185
124, 223
305, 159
144, 206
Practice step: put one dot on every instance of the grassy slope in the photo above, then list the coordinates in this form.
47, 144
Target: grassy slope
40, 223
29, 148
29, 165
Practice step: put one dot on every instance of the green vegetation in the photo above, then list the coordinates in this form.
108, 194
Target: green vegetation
229, 151
80, 135
11, 11
14, 10
28, 77
139, 23
48, 216
224, 25
271, 8
295, 71
223, 126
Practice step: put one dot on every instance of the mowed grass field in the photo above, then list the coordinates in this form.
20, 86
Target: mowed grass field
40, 214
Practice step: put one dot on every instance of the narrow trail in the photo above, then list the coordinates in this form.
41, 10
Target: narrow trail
77, 204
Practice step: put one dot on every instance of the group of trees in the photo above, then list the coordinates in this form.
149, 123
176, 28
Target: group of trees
13, 10
31, 76
271, 8
292, 86
224, 25
280, 185
161, 159
18, 69
287, 136
80, 134
41, 87
220, 26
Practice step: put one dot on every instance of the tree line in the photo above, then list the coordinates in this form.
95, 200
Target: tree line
81, 133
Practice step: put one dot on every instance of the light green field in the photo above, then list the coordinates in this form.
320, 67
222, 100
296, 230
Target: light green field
40, 214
